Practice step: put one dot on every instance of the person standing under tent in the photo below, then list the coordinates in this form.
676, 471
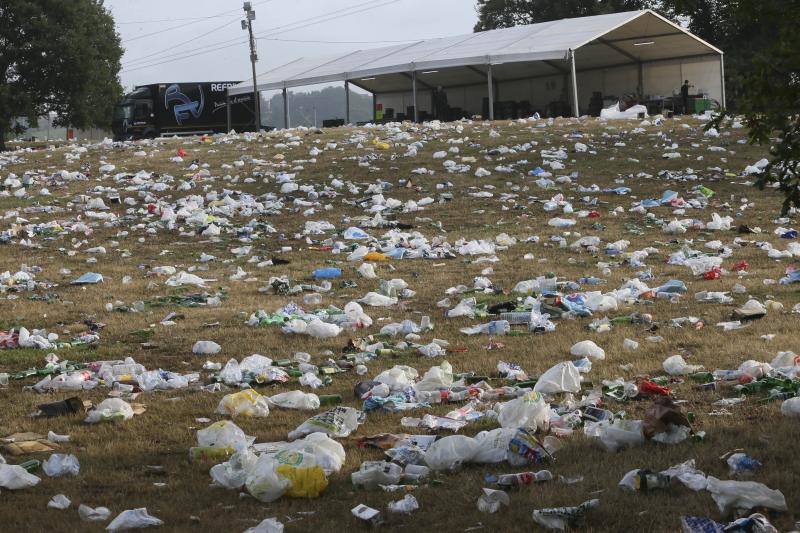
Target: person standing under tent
685, 96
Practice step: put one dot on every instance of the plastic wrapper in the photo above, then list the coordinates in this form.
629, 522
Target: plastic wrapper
338, 422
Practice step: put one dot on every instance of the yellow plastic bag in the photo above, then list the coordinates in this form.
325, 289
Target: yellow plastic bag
308, 482
376, 256
244, 403
380, 145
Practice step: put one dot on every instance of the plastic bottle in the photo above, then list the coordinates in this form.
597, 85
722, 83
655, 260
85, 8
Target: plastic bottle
330, 399
208, 454
510, 481
31, 465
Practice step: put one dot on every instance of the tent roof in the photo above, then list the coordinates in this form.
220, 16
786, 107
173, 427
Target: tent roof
604, 40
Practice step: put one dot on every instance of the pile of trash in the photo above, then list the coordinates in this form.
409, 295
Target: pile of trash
487, 312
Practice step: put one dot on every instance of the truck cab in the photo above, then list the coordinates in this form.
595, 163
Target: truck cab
134, 116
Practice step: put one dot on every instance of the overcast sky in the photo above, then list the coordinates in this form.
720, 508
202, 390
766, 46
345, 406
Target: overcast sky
202, 40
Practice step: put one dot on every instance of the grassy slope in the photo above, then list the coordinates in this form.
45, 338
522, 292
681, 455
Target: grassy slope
113, 457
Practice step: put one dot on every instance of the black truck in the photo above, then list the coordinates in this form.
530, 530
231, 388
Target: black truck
181, 109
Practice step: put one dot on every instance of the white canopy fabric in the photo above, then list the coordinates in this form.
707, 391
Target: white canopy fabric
603, 40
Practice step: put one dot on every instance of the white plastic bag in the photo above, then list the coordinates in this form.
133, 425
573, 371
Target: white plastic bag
223, 434
268, 525
59, 501
617, 434
133, 519
206, 348
264, 483
60, 464
493, 445
563, 377
529, 411
232, 474
588, 349
731, 495
677, 366
14, 477
327, 453
491, 500
450, 452
408, 504
110, 409
97, 514
791, 407
232, 373
374, 299
367, 270
295, 399
322, 330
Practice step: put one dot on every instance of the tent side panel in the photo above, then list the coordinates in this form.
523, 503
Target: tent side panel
666, 77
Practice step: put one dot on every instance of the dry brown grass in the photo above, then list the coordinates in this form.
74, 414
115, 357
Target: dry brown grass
113, 457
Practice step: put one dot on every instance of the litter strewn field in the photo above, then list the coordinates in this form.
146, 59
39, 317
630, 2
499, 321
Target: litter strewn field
207, 333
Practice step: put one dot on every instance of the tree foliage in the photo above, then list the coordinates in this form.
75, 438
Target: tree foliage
60, 56
769, 85
493, 14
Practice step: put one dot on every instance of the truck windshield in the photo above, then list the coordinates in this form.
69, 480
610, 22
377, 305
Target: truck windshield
123, 111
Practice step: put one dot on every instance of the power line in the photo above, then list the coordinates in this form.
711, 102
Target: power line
303, 23
155, 21
184, 57
184, 25
224, 24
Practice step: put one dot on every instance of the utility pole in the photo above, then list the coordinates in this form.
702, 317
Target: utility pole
247, 24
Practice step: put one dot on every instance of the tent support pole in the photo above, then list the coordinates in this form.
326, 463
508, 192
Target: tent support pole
575, 110
722, 78
491, 91
414, 93
285, 108
347, 102
641, 80
228, 108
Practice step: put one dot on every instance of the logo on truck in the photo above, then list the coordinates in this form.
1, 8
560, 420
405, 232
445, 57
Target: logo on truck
185, 108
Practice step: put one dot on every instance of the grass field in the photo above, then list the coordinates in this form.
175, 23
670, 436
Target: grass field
114, 457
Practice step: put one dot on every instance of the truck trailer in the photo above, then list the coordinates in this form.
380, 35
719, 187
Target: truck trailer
196, 108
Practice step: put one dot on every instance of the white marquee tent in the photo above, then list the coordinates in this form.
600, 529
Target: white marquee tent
638, 51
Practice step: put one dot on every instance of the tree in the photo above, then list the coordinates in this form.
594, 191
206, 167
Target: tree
770, 89
57, 56
493, 14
